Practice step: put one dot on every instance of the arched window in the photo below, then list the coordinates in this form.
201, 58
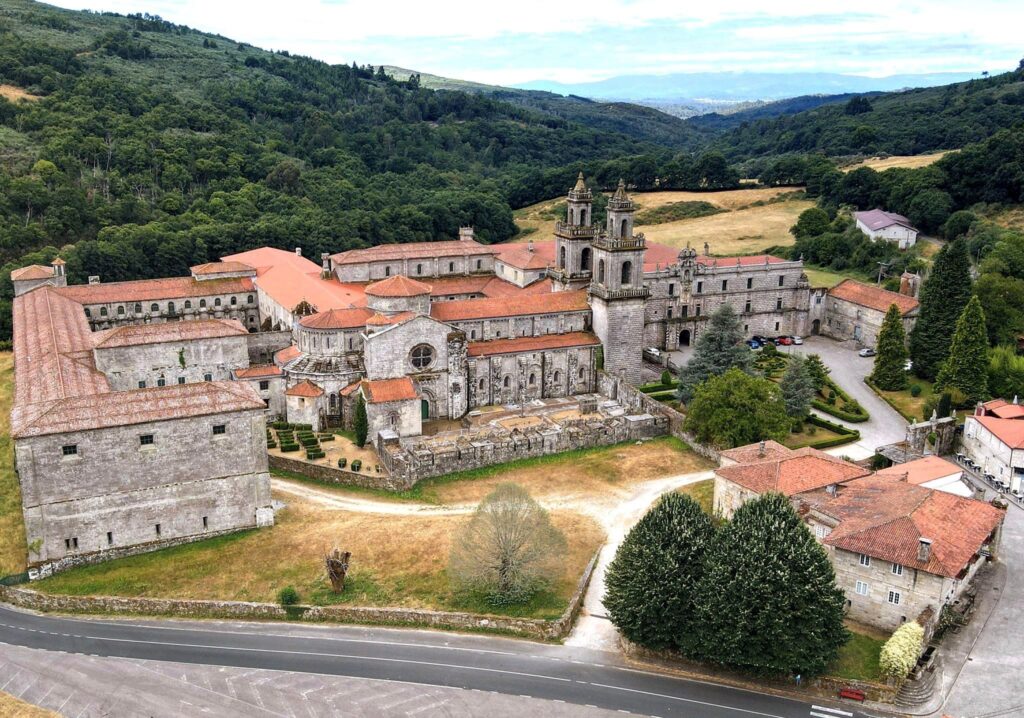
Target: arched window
507, 383
451, 266
482, 384
600, 271
583, 216
557, 376
170, 307
103, 311
87, 312
585, 260
138, 308
188, 304
154, 307
234, 301
202, 304
120, 311
561, 258
582, 372
627, 273
334, 403
250, 299
623, 233
572, 216
419, 269
472, 334
533, 379
216, 302
422, 356
350, 343
393, 419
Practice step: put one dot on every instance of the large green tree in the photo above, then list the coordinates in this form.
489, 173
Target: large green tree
1006, 372
889, 372
651, 583
966, 368
719, 347
944, 295
768, 599
734, 408
797, 387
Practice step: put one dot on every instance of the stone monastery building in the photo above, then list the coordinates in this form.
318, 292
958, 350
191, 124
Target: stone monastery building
139, 406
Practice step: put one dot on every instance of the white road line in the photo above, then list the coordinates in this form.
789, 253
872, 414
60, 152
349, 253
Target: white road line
834, 711
687, 700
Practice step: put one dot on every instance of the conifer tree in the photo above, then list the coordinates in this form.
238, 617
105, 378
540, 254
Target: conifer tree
944, 295
768, 598
719, 348
889, 373
819, 372
650, 583
361, 425
797, 386
966, 368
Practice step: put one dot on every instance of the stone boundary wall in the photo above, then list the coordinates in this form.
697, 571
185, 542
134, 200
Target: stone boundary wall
822, 686
628, 395
263, 345
368, 479
38, 571
534, 628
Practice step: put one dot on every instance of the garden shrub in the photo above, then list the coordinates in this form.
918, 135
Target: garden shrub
666, 378
326, 437
900, 653
287, 596
289, 447
341, 462
357, 464
314, 454
915, 390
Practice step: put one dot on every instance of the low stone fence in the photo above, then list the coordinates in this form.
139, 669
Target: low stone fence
534, 628
822, 686
368, 479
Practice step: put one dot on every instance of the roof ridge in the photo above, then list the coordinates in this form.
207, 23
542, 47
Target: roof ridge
53, 339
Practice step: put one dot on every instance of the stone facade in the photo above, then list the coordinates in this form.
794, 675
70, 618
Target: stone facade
139, 366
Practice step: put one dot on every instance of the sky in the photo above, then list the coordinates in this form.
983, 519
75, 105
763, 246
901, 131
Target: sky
586, 40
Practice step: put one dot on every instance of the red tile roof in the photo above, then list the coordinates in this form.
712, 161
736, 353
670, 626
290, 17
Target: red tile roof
921, 471
164, 332
337, 319
386, 320
305, 388
803, 470
1003, 409
289, 279
751, 453
32, 271
145, 290
886, 519
379, 391
412, 250
221, 268
398, 286
872, 297
532, 344
1008, 431
259, 371
351, 388
522, 305
523, 256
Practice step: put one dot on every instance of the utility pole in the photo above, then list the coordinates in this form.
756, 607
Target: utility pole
882, 266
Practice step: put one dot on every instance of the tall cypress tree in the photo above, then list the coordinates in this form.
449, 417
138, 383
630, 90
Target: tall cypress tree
719, 348
651, 582
966, 368
768, 599
888, 373
360, 422
943, 297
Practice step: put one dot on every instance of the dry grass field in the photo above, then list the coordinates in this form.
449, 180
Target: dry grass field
593, 474
396, 561
742, 229
12, 527
907, 161
13, 94
1010, 218
11, 707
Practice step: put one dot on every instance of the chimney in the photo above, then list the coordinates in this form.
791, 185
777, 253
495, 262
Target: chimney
94, 279
924, 549
325, 259
298, 251
466, 234
707, 249
760, 448
832, 489
529, 248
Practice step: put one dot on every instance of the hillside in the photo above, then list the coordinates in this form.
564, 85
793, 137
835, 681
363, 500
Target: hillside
718, 122
898, 123
633, 120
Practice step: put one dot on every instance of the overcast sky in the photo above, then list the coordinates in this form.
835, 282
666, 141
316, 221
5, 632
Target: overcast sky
580, 40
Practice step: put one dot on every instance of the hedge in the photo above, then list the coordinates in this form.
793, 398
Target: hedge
326, 437
900, 653
847, 434
289, 447
357, 464
839, 413
658, 387
315, 454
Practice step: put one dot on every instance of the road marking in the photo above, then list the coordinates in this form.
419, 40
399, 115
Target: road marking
834, 711
686, 700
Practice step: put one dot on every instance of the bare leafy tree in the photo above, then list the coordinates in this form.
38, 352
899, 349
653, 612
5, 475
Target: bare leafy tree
337, 568
509, 549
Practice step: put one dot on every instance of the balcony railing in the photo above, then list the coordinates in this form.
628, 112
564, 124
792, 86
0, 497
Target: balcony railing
574, 231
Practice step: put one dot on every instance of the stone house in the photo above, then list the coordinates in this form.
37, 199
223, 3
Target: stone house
887, 226
269, 382
855, 311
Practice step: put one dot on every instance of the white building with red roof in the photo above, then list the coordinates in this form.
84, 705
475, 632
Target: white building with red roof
994, 439
887, 226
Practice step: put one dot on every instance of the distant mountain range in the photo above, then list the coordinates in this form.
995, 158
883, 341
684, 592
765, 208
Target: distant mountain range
722, 87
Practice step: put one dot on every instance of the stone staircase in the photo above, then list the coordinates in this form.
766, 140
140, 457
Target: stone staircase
919, 690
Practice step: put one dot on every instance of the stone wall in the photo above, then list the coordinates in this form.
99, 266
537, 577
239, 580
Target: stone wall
183, 362
525, 627
263, 345
368, 478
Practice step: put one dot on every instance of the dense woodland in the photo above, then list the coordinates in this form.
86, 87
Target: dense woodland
145, 147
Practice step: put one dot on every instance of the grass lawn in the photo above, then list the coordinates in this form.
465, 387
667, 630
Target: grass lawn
12, 707
911, 407
823, 277
12, 527
858, 659
806, 438
909, 161
396, 561
703, 492
589, 472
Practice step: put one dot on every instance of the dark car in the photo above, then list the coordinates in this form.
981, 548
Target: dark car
754, 344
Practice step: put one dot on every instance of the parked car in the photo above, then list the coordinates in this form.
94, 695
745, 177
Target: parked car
754, 344
1018, 493
758, 338
652, 354
767, 340
798, 340
866, 352
784, 341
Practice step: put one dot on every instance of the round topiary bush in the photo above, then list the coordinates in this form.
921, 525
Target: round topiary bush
287, 596
915, 390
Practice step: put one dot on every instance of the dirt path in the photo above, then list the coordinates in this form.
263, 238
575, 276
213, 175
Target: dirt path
333, 500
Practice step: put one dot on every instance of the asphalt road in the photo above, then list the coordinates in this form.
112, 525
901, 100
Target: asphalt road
469, 662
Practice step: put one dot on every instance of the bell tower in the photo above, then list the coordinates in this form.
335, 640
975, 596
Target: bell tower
574, 257
617, 290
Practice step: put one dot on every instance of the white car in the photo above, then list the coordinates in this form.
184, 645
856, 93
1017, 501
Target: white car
798, 340
866, 352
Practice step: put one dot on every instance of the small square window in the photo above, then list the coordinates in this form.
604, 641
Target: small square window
725, 284
110, 538
264, 385
750, 282
894, 598
181, 380
161, 382
219, 429
146, 440
206, 522
207, 377
862, 588
865, 560
142, 385
69, 449
782, 280
897, 569
700, 287
158, 529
